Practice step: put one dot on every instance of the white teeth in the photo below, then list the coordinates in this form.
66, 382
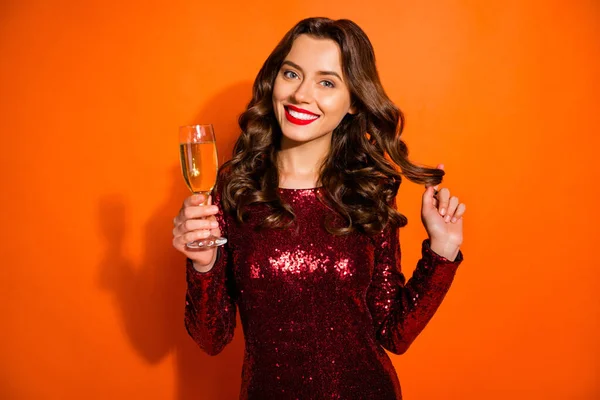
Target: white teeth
300, 115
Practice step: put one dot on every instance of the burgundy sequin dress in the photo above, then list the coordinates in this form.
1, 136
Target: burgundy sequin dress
317, 310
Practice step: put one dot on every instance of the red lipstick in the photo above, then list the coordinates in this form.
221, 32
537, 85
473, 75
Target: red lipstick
301, 110
298, 121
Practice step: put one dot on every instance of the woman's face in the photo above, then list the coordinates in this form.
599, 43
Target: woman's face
310, 96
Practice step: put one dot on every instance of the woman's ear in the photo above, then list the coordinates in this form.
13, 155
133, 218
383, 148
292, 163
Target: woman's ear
352, 110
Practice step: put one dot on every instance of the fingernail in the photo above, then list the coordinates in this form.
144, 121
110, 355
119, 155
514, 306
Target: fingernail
214, 224
447, 218
443, 211
454, 219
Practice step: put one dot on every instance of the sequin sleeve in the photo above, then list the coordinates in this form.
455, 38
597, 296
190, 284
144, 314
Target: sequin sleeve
401, 309
210, 310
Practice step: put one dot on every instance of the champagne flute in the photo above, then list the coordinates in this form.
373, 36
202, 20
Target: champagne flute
199, 165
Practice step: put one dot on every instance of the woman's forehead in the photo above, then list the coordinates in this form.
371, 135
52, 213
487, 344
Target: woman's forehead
315, 54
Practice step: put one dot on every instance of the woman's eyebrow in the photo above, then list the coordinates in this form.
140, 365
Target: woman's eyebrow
294, 65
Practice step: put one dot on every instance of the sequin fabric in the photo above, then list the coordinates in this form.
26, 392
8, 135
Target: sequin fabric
317, 310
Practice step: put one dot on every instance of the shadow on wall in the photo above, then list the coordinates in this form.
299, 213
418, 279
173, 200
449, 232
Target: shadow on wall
151, 297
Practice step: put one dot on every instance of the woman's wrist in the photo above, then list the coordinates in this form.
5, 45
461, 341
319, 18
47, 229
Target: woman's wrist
206, 267
447, 250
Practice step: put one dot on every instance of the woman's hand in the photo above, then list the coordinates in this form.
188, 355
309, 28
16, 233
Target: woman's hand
196, 221
441, 215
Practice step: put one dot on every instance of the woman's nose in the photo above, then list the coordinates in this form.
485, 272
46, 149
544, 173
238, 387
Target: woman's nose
303, 93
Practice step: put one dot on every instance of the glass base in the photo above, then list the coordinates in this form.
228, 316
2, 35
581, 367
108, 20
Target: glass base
209, 242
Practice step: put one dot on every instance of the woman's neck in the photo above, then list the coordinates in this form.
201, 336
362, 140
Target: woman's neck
299, 163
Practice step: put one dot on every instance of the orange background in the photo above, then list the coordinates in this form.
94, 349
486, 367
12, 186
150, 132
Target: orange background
504, 93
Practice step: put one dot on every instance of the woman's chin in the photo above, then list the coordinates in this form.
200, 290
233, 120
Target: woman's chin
288, 141
300, 136
294, 134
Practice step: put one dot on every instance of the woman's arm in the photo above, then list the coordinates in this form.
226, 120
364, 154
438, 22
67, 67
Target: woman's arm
401, 309
210, 310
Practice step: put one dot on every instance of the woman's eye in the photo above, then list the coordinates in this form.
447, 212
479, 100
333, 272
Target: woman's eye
328, 84
290, 74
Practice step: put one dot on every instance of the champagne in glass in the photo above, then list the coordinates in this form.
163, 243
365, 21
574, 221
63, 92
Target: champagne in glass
199, 165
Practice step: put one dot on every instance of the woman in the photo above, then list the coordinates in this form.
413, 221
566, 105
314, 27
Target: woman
308, 206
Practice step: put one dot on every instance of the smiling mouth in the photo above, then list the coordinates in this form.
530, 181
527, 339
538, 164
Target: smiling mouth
299, 118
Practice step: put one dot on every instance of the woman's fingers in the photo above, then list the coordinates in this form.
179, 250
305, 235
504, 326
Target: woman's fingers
194, 200
183, 237
193, 212
198, 211
452, 204
194, 207
443, 197
460, 210
180, 241
194, 221
195, 235
449, 207
194, 225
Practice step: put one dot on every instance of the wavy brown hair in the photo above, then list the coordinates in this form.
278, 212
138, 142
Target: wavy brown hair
362, 173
